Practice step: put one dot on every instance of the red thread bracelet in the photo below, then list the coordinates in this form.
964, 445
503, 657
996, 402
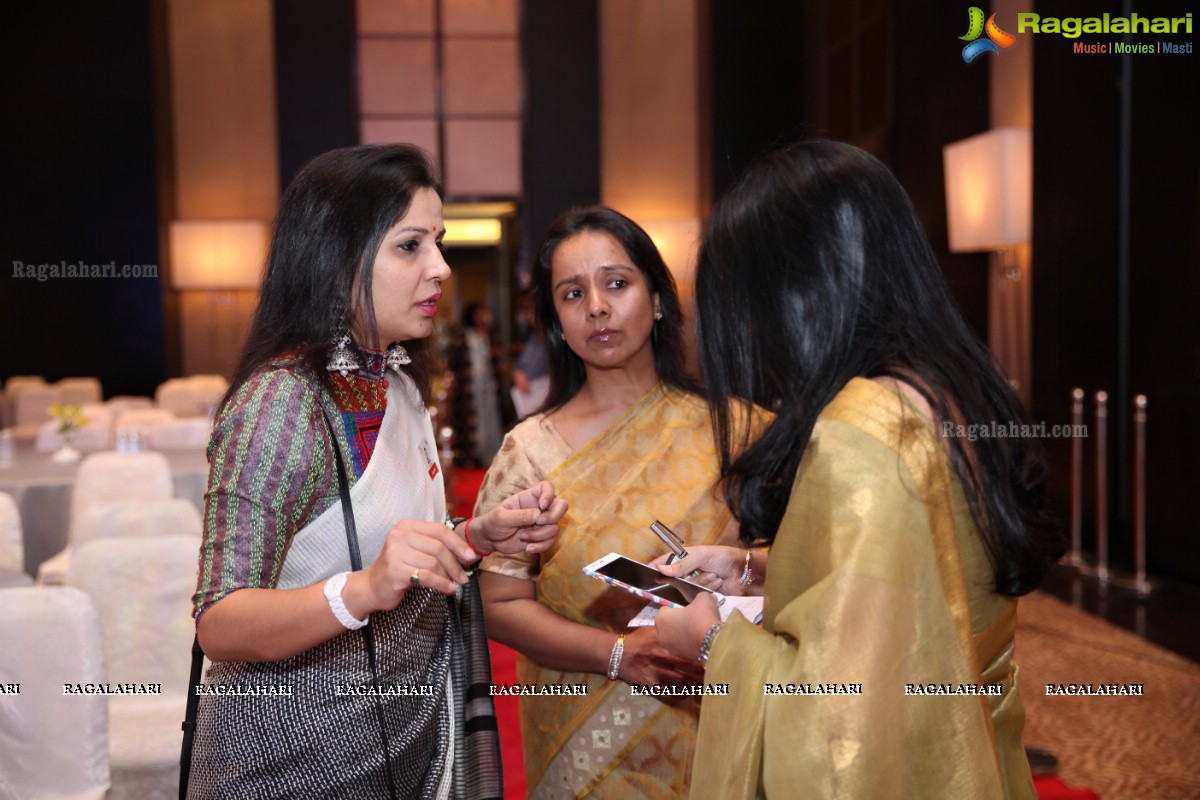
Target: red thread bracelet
467, 535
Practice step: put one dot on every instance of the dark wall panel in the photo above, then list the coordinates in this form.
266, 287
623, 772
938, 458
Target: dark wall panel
79, 185
1077, 292
757, 83
937, 100
316, 80
561, 149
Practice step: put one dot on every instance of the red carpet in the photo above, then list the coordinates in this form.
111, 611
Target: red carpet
462, 488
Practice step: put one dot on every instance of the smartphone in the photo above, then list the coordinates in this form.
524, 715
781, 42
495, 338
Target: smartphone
644, 581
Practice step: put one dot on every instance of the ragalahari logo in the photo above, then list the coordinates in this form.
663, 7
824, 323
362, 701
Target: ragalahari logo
996, 38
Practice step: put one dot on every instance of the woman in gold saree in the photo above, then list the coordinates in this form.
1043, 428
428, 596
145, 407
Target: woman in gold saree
627, 441
900, 538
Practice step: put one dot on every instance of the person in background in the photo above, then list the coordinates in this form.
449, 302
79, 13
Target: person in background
531, 369
336, 364
478, 401
898, 550
625, 437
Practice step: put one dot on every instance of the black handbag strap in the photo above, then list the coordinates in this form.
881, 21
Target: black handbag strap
193, 701
189, 718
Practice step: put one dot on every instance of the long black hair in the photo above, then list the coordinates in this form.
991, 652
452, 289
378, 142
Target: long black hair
814, 270
319, 271
567, 371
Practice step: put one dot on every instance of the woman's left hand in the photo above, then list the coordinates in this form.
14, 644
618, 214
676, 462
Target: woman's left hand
681, 630
527, 522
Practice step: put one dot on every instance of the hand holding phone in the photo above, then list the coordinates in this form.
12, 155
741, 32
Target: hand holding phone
644, 581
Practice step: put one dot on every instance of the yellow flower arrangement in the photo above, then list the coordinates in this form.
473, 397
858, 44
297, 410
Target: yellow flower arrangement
70, 418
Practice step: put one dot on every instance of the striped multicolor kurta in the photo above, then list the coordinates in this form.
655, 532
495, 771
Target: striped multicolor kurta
272, 474
269, 444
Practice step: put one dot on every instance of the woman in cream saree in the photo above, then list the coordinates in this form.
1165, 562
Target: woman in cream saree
627, 443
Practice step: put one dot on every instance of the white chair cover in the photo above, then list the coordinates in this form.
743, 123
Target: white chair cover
96, 435
125, 402
142, 588
174, 517
181, 397
80, 391
144, 420
30, 404
15, 381
11, 386
51, 745
111, 477
12, 542
190, 434
105, 479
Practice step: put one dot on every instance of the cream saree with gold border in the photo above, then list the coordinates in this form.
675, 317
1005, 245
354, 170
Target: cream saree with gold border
656, 462
877, 577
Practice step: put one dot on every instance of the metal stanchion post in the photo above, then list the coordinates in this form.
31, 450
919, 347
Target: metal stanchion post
1102, 486
1075, 557
1139, 493
1139, 583
1100, 571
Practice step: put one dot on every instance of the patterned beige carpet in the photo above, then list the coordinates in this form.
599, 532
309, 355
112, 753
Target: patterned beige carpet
1141, 748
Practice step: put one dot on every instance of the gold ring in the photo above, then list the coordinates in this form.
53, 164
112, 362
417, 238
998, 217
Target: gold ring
416, 577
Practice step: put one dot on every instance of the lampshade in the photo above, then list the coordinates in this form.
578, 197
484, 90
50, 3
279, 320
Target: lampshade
989, 190
217, 255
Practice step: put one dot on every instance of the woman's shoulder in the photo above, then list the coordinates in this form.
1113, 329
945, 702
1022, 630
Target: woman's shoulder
282, 385
884, 415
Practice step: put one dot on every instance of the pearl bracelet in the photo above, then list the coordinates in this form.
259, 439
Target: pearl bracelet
706, 645
614, 660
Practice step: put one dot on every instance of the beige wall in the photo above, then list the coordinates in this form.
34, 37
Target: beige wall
225, 150
650, 122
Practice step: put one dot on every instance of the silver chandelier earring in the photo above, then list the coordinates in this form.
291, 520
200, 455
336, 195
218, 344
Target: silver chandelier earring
343, 359
397, 357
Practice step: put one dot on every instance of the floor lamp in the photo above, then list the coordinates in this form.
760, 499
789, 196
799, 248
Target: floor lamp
989, 207
218, 257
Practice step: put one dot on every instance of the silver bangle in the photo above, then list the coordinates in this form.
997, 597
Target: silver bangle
747, 574
614, 660
333, 594
706, 645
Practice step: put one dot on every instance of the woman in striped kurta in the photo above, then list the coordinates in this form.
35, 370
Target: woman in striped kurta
292, 704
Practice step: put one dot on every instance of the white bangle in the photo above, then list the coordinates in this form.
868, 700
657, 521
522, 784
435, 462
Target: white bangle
333, 593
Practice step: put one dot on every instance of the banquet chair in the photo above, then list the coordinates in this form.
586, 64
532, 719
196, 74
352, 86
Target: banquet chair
181, 397
12, 542
142, 589
144, 419
111, 477
11, 386
15, 381
80, 391
174, 517
127, 402
192, 433
52, 745
30, 407
95, 435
